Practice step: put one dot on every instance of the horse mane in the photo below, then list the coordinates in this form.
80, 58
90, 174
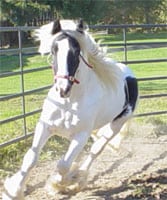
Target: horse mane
107, 69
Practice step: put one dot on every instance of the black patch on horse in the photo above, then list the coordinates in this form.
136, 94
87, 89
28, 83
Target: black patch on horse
131, 91
73, 54
131, 94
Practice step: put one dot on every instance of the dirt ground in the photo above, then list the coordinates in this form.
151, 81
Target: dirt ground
137, 171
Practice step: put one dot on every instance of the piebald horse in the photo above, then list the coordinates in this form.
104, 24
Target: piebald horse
90, 92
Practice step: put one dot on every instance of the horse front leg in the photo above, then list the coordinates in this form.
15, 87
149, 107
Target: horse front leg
67, 175
14, 186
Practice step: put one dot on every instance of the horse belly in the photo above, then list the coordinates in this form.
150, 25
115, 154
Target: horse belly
110, 107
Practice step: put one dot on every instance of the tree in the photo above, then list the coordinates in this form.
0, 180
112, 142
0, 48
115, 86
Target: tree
138, 11
20, 12
92, 11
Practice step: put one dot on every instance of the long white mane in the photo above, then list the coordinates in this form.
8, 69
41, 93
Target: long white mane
106, 68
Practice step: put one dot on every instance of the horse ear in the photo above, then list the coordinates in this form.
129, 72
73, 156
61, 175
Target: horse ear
56, 27
80, 26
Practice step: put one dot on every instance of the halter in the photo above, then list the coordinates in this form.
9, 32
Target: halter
83, 59
72, 78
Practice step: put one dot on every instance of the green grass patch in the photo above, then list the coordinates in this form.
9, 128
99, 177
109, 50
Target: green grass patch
148, 54
12, 156
149, 69
11, 63
140, 54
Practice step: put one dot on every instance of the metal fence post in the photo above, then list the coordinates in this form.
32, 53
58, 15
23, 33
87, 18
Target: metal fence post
22, 79
125, 45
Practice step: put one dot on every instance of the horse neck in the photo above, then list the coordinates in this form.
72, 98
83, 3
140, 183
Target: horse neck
84, 75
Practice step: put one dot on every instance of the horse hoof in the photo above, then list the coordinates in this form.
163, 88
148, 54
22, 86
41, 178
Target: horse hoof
78, 176
54, 185
72, 183
10, 192
77, 180
6, 196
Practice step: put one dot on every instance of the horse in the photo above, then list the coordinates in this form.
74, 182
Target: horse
90, 92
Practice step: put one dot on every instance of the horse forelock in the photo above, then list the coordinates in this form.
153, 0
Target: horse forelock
45, 36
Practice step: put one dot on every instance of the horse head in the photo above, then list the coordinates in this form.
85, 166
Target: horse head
65, 52
66, 56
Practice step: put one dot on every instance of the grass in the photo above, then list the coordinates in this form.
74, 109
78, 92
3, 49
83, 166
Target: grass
10, 63
141, 54
11, 156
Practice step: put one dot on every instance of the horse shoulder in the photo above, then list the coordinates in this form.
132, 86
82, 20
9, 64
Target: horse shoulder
126, 71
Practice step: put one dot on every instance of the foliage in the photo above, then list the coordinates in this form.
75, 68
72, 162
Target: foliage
21, 12
90, 10
138, 11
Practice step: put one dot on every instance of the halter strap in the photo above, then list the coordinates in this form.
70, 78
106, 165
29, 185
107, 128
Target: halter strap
72, 78
83, 59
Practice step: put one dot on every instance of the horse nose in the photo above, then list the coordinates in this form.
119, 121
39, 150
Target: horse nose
60, 91
63, 87
64, 93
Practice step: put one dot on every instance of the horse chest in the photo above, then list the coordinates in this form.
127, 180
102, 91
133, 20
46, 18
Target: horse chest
62, 118
66, 120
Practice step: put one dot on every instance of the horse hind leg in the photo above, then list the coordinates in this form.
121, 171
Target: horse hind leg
14, 186
101, 141
131, 91
115, 142
108, 133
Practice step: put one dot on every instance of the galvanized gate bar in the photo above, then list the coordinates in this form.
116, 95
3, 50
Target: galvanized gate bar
18, 139
152, 78
25, 93
111, 26
20, 116
151, 113
145, 61
7, 74
134, 44
152, 96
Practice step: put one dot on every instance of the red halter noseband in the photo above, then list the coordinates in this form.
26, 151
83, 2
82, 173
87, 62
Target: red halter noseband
72, 78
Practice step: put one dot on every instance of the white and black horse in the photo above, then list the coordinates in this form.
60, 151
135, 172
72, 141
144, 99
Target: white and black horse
91, 92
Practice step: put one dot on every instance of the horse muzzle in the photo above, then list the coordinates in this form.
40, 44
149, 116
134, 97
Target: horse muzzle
64, 84
65, 93
64, 90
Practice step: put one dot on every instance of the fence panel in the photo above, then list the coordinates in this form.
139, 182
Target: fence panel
21, 73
